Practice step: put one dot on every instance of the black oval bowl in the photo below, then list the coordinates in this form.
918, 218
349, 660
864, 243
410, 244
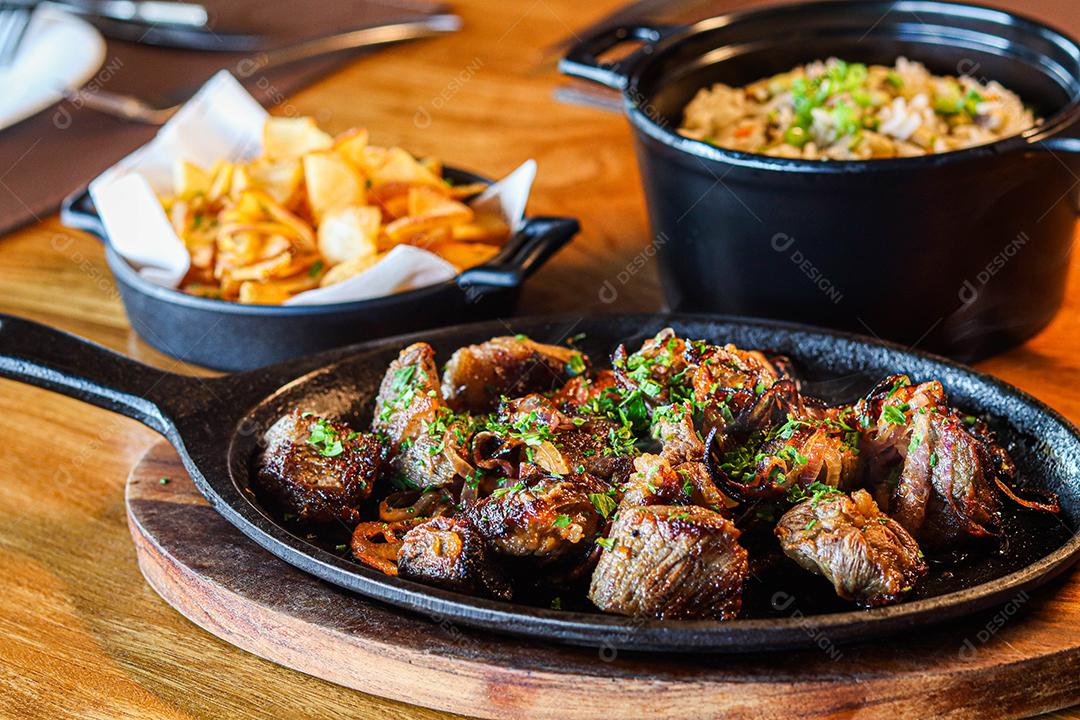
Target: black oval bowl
965, 252
216, 425
234, 336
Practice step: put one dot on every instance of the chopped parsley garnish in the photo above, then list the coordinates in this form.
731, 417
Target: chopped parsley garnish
576, 365
561, 521
604, 504
500, 491
815, 492
325, 439
606, 543
894, 414
621, 441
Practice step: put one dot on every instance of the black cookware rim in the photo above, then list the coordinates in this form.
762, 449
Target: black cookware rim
1064, 118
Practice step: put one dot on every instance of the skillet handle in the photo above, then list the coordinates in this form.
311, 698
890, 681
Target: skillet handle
77, 211
540, 238
39, 355
583, 59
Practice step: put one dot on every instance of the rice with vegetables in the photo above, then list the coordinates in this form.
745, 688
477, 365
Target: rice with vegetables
835, 110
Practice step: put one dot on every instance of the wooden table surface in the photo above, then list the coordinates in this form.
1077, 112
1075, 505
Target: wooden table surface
81, 635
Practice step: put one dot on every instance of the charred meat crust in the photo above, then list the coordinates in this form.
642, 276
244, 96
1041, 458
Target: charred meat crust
671, 562
548, 519
477, 376
449, 552
318, 481
867, 556
415, 423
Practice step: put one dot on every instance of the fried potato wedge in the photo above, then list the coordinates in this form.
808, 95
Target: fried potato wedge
484, 228
331, 182
465, 255
190, 180
400, 166
349, 232
293, 137
344, 271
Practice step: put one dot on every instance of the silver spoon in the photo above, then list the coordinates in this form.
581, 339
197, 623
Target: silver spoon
130, 107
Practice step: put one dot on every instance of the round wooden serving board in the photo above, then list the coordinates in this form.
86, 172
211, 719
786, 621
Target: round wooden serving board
1021, 660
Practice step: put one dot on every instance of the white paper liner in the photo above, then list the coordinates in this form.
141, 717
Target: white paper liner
223, 121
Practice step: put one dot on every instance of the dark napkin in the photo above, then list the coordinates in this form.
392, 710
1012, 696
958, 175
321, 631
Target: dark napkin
48, 156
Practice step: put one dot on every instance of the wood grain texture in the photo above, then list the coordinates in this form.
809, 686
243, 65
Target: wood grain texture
224, 583
81, 634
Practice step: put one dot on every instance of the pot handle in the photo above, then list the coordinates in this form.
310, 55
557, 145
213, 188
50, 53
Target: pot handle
583, 59
1064, 145
77, 211
538, 240
40, 355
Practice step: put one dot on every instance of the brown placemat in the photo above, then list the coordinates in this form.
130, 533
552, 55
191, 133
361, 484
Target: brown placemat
54, 153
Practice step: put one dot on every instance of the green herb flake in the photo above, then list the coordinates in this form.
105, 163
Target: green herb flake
604, 504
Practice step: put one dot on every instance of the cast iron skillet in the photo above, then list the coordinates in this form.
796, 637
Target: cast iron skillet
215, 424
233, 336
963, 252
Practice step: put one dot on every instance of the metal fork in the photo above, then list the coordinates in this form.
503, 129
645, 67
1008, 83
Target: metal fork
130, 107
13, 22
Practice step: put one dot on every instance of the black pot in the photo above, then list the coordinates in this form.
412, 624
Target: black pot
234, 336
963, 252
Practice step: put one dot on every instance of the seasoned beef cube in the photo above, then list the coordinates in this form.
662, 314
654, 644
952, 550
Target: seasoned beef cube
867, 556
723, 380
410, 414
658, 371
532, 430
946, 490
787, 459
655, 482
450, 553
671, 562
547, 518
318, 469
587, 394
673, 426
476, 376
719, 367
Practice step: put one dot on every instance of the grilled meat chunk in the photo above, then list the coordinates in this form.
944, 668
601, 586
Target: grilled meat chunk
867, 556
727, 367
533, 430
724, 381
477, 376
584, 393
426, 444
671, 562
787, 459
935, 476
450, 553
673, 426
543, 517
656, 482
318, 469
658, 371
